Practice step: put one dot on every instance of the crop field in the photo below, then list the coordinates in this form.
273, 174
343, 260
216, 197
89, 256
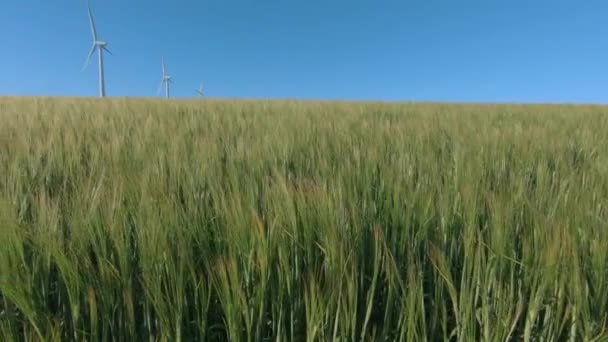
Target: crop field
151, 220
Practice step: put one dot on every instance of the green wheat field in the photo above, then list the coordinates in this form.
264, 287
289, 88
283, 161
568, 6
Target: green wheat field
149, 220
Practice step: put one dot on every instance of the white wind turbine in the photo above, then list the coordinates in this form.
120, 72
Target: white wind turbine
199, 91
100, 46
166, 79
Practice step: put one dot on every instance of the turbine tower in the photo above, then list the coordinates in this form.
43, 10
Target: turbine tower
100, 46
166, 79
199, 91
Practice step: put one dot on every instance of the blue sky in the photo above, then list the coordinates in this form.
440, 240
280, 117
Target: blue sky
424, 50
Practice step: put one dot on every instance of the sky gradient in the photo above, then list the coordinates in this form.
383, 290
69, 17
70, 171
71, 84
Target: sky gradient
451, 51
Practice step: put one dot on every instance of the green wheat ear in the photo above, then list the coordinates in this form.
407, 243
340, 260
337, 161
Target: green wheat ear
7, 217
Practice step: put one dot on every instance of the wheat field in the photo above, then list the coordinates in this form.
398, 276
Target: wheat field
148, 220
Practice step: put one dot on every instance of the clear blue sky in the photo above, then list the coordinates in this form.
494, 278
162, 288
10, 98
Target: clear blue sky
424, 50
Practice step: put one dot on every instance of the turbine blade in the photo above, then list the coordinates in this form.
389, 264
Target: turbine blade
86, 62
160, 87
93, 31
108, 50
162, 59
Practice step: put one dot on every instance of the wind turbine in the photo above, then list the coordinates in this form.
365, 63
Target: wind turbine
166, 79
199, 91
100, 46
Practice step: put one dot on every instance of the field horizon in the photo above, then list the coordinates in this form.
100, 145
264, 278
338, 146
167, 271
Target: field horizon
329, 101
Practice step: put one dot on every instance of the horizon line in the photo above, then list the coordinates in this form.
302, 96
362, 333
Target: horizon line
325, 100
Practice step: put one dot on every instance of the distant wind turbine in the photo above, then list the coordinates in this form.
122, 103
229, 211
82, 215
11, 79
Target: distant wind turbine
166, 79
199, 91
100, 46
